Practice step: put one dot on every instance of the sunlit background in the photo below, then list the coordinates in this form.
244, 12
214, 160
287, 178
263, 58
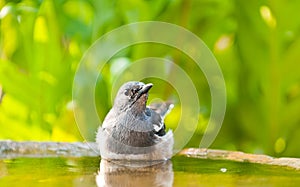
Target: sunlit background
257, 44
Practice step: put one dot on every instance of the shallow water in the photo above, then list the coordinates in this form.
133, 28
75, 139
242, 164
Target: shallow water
180, 171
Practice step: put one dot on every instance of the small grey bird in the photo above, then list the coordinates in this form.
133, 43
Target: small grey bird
133, 131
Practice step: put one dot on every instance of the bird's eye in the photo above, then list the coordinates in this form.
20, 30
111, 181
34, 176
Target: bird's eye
132, 92
127, 92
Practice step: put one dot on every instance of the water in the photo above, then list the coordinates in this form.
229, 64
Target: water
180, 171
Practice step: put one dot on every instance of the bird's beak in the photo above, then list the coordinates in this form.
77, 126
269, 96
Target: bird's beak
145, 89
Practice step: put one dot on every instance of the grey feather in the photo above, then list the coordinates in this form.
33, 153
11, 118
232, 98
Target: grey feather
131, 127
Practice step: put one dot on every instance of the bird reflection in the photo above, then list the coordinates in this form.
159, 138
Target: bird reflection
135, 173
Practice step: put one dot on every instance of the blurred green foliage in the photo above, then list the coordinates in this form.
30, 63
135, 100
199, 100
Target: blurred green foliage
256, 42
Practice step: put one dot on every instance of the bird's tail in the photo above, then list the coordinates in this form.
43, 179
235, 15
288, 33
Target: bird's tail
162, 108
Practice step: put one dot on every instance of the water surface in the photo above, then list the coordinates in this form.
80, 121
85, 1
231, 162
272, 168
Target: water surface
180, 171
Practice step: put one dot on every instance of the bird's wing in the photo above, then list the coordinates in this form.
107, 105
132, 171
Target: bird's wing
158, 112
162, 108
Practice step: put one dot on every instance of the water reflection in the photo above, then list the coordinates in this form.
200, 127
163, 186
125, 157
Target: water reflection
135, 173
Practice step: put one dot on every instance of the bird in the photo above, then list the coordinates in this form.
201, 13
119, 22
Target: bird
139, 174
134, 131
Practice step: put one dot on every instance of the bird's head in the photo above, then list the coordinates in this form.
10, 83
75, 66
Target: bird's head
132, 96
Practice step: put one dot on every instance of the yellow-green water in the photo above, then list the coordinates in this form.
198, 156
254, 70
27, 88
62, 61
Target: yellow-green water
181, 171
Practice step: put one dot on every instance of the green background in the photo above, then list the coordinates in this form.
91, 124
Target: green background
257, 45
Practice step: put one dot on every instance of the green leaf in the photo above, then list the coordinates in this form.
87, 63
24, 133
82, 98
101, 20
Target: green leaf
17, 83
